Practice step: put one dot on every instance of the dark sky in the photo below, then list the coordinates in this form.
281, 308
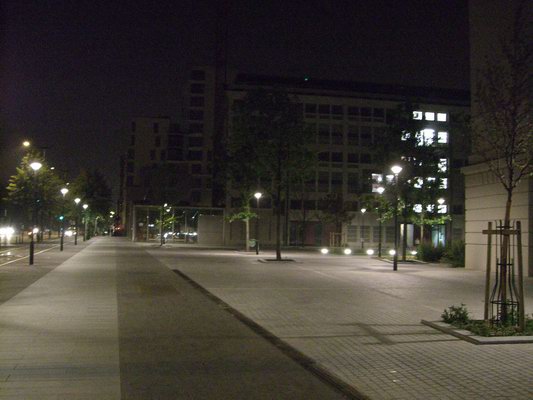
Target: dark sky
73, 72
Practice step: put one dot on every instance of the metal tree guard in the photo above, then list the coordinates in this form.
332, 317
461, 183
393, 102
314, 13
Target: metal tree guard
505, 303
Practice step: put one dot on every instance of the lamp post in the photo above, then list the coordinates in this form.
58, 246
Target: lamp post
363, 211
63, 191
380, 191
396, 169
35, 166
77, 202
85, 206
257, 195
441, 202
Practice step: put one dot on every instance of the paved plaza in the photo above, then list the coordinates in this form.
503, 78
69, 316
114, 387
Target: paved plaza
110, 319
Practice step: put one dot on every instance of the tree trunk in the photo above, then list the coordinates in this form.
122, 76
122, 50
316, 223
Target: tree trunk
504, 272
404, 239
278, 224
247, 233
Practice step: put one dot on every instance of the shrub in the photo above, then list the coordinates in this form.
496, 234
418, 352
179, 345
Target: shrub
455, 254
456, 315
427, 252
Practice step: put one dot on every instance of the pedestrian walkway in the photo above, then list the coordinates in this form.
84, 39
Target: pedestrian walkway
112, 322
360, 321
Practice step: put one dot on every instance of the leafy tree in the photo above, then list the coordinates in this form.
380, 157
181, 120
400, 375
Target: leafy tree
268, 143
93, 189
334, 210
425, 168
34, 194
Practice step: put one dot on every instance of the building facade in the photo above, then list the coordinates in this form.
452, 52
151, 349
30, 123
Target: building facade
350, 124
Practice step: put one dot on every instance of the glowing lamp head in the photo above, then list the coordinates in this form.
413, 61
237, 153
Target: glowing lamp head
324, 251
64, 191
380, 189
258, 195
77, 200
36, 166
441, 201
363, 210
392, 252
370, 252
85, 206
396, 169
347, 251
414, 252
26, 143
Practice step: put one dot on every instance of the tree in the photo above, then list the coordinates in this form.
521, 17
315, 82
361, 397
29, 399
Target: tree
34, 194
503, 123
93, 189
502, 126
334, 211
269, 141
424, 160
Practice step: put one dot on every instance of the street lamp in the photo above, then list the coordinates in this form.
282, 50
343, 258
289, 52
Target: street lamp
380, 191
35, 166
76, 201
85, 206
257, 195
26, 143
363, 211
63, 191
396, 169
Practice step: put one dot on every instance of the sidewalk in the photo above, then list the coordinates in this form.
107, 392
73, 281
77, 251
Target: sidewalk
112, 322
361, 321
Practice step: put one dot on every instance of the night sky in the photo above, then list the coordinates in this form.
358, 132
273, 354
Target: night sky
74, 72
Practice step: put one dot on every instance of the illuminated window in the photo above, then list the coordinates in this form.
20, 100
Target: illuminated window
431, 180
429, 116
417, 208
430, 208
418, 183
389, 178
442, 117
442, 208
417, 114
443, 165
442, 137
429, 135
405, 135
444, 183
377, 178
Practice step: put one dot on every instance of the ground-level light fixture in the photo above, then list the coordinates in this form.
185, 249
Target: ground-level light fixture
370, 252
324, 251
347, 251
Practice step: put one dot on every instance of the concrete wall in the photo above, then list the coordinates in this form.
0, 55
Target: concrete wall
485, 201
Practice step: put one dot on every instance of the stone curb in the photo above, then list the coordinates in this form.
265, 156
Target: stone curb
471, 338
